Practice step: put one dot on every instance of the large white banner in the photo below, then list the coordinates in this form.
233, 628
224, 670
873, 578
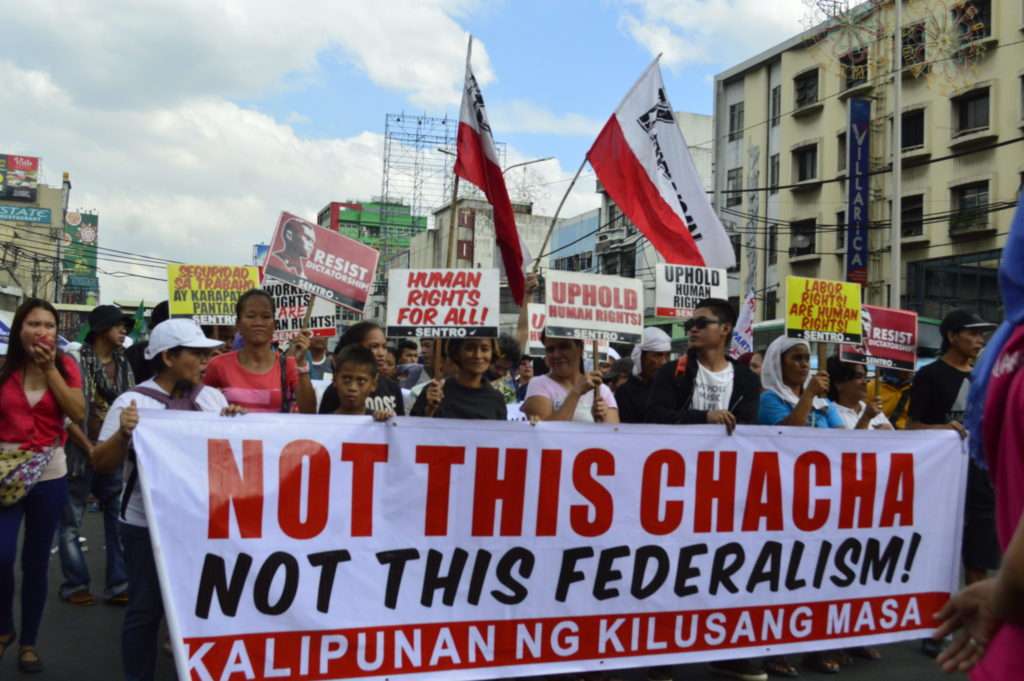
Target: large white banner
329, 547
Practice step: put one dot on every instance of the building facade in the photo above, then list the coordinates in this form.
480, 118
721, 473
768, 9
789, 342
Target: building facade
30, 231
781, 152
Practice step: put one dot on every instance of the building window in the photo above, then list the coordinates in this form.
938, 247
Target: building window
737, 249
735, 122
971, 112
913, 129
970, 207
802, 236
805, 163
773, 174
914, 40
973, 19
854, 67
912, 215
773, 244
771, 301
806, 86
734, 187
841, 151
776, 105
840, 230
578, 262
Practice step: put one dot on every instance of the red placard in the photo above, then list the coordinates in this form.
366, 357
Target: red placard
889, 339
321, 262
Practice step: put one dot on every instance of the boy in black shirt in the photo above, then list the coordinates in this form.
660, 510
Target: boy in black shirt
467, 395
355, 379
938, 399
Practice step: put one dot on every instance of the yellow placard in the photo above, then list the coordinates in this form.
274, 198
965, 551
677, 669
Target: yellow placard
208, 293
823, 311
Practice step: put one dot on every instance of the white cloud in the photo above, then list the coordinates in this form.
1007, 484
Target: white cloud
711, 31
112, 54
200, 181
521, 116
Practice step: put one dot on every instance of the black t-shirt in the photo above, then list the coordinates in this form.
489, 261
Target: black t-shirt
632, 400
460, 402
939, 394
387, 396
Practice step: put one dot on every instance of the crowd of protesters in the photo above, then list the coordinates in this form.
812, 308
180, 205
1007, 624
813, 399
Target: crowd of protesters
65, 436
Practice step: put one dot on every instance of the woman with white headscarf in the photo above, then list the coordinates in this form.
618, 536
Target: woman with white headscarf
791, 396
648, 356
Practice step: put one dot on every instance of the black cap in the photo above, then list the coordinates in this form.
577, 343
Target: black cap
160, 313
106, 317
963, 319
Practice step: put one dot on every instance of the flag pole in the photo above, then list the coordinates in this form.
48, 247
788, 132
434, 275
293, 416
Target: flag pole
551, 227
450, 262
455, 184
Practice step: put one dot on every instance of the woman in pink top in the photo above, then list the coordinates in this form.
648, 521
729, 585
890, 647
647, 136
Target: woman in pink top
566, 393
40, 387
257, 377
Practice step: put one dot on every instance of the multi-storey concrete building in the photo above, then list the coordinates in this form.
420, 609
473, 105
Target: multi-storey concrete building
30, 232
780, 151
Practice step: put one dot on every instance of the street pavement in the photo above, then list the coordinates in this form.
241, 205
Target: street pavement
83, 643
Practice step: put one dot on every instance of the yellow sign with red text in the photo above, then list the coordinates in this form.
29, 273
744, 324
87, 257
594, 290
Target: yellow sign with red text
823, 311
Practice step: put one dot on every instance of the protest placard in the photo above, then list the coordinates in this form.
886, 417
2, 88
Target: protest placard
208, 293
325, 548
321, 262
290, 307
823, 311
889, 339
537, 314
593, 307
443, 303
678, 288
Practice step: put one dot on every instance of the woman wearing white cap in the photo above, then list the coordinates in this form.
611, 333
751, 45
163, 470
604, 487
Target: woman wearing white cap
179, 352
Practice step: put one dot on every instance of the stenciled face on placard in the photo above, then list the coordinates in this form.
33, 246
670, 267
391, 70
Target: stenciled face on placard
296, 244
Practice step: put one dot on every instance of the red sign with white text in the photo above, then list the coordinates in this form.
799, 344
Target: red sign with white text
889, 339
321, 262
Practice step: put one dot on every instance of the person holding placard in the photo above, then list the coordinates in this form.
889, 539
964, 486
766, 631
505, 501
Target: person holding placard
705, 385
848, 391
257, 377
566, 393
792, 397
467, 395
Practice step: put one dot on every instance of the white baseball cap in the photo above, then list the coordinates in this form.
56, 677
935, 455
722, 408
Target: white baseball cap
178, 333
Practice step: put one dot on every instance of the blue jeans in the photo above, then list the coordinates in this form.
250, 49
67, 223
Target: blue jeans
139, 644
106, 487
41, 510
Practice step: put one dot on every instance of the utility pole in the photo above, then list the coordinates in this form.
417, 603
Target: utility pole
58, 263
896, 250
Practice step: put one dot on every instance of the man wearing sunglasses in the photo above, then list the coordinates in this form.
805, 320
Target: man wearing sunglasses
705, 385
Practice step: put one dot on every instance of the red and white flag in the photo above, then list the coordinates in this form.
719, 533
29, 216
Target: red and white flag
477, 162
642, 160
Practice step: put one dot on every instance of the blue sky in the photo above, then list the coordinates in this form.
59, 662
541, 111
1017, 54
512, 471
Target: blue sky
189, 125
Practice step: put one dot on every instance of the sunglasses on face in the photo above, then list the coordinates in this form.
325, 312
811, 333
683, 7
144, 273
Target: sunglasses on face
699, 323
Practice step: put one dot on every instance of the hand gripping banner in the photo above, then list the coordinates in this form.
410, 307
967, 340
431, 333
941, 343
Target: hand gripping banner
323, 547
